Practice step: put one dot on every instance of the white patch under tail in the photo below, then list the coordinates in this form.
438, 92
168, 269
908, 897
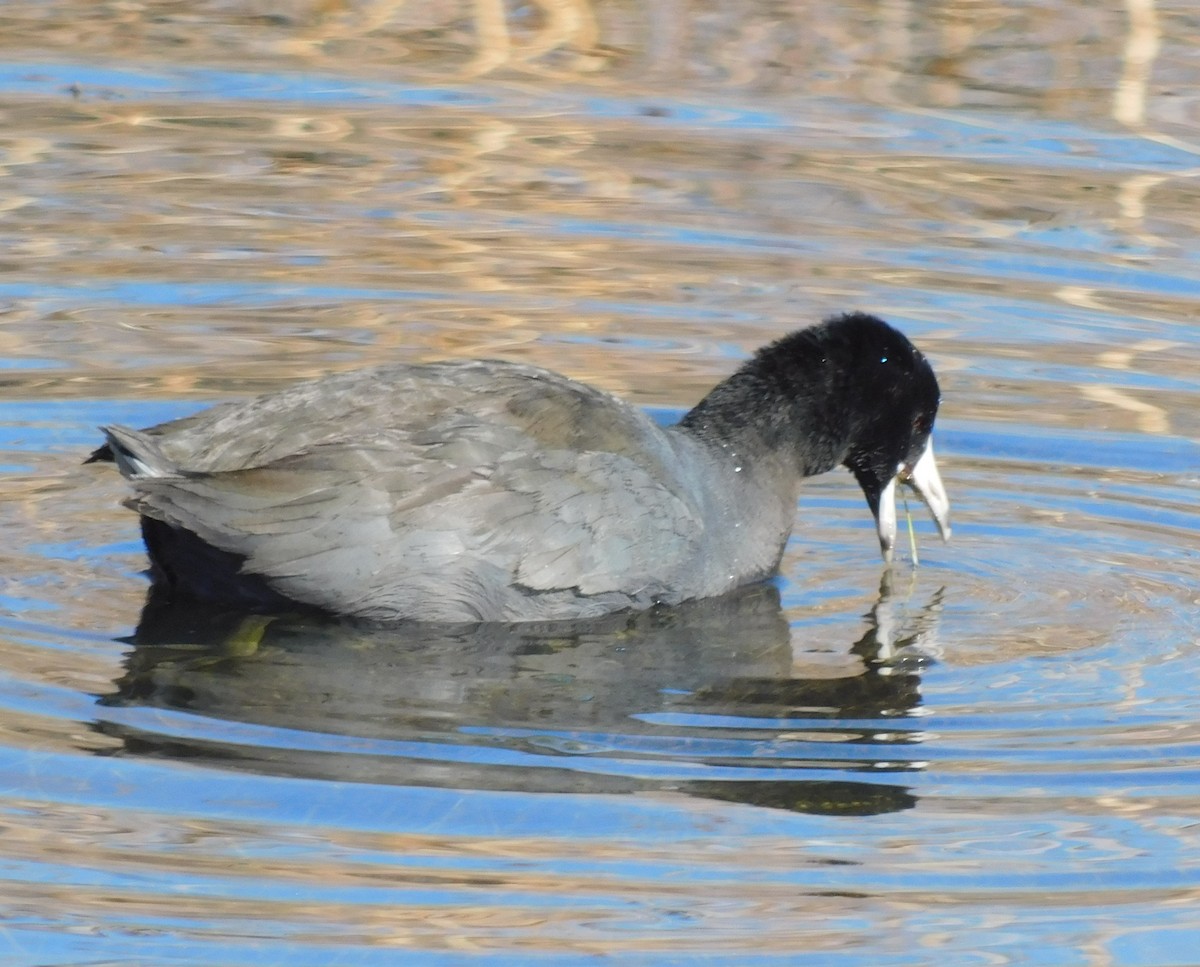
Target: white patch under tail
136, 454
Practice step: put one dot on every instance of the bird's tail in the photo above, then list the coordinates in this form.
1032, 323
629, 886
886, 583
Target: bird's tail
137, 454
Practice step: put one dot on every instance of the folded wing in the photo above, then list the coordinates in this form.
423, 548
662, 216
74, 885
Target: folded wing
539, 486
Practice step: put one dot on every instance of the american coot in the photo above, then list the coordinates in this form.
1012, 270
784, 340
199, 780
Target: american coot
496, 491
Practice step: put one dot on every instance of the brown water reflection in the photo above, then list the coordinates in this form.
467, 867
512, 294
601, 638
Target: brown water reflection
481, 219
1058, 55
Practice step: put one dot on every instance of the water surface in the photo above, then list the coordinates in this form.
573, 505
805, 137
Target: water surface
990, 758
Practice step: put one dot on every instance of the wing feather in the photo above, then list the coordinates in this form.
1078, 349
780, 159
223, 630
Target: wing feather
547, 486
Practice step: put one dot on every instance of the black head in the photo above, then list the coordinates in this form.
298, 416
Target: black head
851, 390
890, 395
864, 397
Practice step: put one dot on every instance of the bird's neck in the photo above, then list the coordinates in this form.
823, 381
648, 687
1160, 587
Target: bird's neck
766, 411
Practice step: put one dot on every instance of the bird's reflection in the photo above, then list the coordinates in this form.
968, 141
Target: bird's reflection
702, 699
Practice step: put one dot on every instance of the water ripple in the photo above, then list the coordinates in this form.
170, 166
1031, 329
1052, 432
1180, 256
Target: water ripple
990, 758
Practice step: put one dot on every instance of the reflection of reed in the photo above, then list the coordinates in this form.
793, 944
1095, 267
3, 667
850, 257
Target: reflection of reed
502, 37
1142, 45
1150, 417
566, 24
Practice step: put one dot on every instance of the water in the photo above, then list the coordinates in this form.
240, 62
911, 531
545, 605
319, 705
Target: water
991, 758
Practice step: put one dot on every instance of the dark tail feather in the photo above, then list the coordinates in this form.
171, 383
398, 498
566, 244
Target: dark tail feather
102, 454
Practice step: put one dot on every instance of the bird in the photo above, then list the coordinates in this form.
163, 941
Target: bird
471, 491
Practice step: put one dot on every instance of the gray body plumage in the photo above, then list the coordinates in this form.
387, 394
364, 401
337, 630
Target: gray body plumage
462, 492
